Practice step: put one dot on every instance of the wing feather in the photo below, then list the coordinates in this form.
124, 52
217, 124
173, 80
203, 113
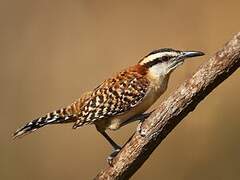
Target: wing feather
113, 97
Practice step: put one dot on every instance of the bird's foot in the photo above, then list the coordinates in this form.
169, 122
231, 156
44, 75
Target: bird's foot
113, 155
140, 129
142, 118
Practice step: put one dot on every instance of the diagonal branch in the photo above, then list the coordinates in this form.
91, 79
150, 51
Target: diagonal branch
173, 110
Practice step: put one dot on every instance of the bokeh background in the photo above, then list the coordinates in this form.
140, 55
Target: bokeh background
52, 51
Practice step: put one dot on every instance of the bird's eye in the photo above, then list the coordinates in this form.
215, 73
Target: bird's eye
165, 58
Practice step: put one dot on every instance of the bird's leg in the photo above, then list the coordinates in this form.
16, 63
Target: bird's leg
107, 137
116, 148
139, 117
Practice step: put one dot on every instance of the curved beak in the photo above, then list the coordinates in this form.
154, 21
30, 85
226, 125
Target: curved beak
189, 54
182, 56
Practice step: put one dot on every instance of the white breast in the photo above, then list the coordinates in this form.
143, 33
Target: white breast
156, 89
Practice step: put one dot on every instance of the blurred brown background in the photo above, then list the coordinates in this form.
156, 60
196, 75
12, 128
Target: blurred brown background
52, 51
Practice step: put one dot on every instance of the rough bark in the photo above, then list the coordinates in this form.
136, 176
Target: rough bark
171, 111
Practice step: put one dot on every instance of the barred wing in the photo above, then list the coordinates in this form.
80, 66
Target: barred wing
113, 97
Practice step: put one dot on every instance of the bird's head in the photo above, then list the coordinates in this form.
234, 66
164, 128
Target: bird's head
164, 61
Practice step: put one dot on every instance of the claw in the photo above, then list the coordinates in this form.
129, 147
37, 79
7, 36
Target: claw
112, 156
140, 130
142, 119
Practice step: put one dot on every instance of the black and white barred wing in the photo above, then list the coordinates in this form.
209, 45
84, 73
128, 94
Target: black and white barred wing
113, 97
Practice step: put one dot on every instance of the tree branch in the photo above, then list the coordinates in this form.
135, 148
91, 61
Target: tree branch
173, 110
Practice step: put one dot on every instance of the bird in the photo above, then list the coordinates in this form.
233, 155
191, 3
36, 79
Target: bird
119, 100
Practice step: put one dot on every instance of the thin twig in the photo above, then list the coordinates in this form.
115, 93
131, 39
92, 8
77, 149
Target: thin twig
173, 110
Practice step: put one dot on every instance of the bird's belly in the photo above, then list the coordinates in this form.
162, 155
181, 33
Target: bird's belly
116, 122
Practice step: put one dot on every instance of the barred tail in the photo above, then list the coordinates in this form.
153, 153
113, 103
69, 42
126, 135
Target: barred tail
55, 117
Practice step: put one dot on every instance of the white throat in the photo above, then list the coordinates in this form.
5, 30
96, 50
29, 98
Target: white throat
159, 75
158, 70
162, 69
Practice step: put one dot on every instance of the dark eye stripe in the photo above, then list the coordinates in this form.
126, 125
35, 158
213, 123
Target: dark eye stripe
156, 61
152, 63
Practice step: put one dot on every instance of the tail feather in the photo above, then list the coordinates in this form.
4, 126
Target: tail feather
51, 118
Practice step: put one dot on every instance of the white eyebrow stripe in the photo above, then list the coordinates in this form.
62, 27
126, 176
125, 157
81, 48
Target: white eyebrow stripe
152, 57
